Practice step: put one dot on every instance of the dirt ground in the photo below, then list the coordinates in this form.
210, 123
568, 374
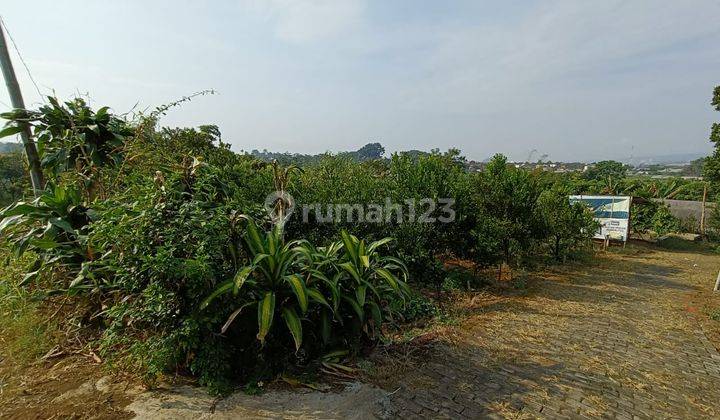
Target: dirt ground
627, 335
623, 337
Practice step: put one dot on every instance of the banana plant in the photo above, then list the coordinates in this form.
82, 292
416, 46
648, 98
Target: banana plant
271, 281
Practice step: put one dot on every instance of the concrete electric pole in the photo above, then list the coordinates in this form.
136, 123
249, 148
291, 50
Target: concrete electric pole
36, 176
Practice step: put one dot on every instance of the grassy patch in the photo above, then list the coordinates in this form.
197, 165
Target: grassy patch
674, 243
25, 333
713, 313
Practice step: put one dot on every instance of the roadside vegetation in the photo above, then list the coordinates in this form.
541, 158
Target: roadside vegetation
152, 246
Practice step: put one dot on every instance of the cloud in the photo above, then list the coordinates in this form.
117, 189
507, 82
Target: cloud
303, 21
487, 66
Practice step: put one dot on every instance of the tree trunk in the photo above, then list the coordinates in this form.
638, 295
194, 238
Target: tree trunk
557, 248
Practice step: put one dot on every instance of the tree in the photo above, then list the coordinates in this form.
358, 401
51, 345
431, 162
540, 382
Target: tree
12, 177
607, 170
711, 170
695, 168
370, 151
507, 199
567, 225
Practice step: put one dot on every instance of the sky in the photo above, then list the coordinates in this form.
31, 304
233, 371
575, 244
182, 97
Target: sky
575, 80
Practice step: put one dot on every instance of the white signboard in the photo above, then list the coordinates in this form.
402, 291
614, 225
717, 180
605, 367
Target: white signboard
612, 212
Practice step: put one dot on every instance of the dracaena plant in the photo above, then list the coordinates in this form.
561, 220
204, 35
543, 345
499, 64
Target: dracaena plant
271, 281
359, 283
368, 279
54, 226
313, 286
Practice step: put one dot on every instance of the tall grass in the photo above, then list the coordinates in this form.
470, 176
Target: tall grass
25, 332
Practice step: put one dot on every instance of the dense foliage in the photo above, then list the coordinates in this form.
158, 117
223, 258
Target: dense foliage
711, 169
163, 237
12, 177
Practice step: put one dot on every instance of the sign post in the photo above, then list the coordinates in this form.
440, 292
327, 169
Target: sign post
612, 212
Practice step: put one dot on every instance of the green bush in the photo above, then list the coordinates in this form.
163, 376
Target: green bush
653, 216
567, 226
140, 224
507, 199
13, 178
415, 307
313, 286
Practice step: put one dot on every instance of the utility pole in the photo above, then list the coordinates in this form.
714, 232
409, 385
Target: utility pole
36, 176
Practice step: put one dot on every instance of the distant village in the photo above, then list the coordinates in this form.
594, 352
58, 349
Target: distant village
685, 170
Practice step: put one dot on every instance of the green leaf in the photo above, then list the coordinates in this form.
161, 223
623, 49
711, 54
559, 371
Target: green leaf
389, 278
266, 312
294, 325
318, 297
360, 295
376, 313
401, 265
62, 224
365, 260
353, 272
9, 221
240, 278
298, 287
20, 208
375, 245
10, 131
253, 239
234, 315
44, 243
223, 288
29, 277
404, 287
350, 246
258, 258
334, 356
355, 307
325, 327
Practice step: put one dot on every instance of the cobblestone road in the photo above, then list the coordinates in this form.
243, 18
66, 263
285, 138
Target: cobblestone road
616, 341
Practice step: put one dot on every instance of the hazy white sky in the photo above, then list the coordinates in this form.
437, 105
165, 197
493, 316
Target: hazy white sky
574, 79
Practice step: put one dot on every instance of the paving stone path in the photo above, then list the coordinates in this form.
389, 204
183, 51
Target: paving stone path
616, 341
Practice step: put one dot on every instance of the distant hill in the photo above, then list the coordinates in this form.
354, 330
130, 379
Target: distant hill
370, 151
676, 158
10, 147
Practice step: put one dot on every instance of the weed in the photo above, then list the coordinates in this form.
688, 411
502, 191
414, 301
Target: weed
25, 332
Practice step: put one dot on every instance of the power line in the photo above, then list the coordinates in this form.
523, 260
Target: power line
32, 79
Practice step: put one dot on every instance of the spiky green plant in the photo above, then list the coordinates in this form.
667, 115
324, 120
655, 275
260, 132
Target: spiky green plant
304, 284
270, 282
369, 279
54, 226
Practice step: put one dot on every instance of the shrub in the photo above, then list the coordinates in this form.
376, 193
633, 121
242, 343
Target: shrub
54, 226
507, 199
566, 225
323, 298
664, 222
653, 216
141, 225
13, 178
415, 308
